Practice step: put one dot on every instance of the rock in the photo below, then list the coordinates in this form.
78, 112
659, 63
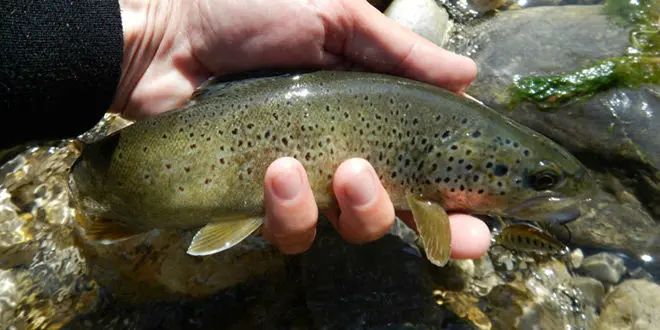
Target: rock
605, 267
633, 304
592, 290
424, 17
575, 258
542, 299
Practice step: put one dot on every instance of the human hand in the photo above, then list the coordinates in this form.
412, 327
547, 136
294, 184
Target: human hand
173, 46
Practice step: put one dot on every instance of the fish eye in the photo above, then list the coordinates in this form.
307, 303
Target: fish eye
544, 178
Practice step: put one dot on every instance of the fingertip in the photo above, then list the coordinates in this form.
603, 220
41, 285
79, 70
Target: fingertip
366, 210
470, 237
291, 211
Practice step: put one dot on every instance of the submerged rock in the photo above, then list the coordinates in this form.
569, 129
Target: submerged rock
605, 267
633, 304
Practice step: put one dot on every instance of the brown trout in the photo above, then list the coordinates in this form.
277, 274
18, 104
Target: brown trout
435, 152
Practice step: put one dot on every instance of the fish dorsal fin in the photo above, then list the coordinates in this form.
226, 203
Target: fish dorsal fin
220, 236
109, 231
218, 86
433, 226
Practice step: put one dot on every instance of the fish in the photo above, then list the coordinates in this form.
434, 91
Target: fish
529, 238
436, 152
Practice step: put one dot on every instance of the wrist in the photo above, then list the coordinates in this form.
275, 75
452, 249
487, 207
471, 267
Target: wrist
144, 27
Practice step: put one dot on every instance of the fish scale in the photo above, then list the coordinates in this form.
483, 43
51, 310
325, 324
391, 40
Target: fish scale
205, 163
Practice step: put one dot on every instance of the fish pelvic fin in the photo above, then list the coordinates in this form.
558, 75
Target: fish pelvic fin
433, 226
220, 236
108, 231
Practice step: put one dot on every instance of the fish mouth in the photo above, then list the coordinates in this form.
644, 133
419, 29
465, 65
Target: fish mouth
547, 209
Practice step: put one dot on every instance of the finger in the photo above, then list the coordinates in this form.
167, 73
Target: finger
291, 211
362, 38
470, 237
366, 210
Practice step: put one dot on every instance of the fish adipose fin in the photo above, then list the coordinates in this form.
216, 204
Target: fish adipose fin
217, 237
433, 226
109, 231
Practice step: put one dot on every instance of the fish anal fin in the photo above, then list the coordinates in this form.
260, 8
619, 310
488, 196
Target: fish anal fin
433, 226
220, 236
109, 231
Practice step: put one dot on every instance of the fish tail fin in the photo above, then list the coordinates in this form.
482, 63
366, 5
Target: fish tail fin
433, 226
220, 236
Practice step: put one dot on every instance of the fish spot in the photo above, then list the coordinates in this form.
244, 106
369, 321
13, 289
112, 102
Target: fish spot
468, 167
249, 126
460, 161
464, 121
180, 188
449, 168
168, 166
445, 134
207, 181
446, 180
476, 134
193, 146
451, 159
481, 191
438, 117
516, 144
222, 161
187, 169
526, 153
220, 132
434, 167
489, 165
164, 136
454, 147
144, 149
234, 131
191, 134
500, 170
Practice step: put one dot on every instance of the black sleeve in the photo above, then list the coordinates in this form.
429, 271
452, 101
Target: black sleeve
60, 63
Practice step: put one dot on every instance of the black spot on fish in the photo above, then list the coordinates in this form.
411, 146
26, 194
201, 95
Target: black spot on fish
475, 178
476, 134
464, 121
250, 126
449, 168
526, 153
500, 170
446, 180
445, 134
481, 191
438, 117
454, 147
164, 136
489, 165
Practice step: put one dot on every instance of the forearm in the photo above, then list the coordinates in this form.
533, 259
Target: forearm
59, 68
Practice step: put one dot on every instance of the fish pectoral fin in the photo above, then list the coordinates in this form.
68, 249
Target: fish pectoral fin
433, 226
109, 231
220, 236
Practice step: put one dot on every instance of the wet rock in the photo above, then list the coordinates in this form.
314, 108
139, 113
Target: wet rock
425, 17
592, 290
633, 304
605, 267
541, 299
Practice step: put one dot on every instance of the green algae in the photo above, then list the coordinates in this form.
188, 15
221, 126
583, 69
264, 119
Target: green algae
553, 90
640, 64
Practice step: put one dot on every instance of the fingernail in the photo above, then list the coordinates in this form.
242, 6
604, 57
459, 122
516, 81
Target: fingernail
287, 184
362, 190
